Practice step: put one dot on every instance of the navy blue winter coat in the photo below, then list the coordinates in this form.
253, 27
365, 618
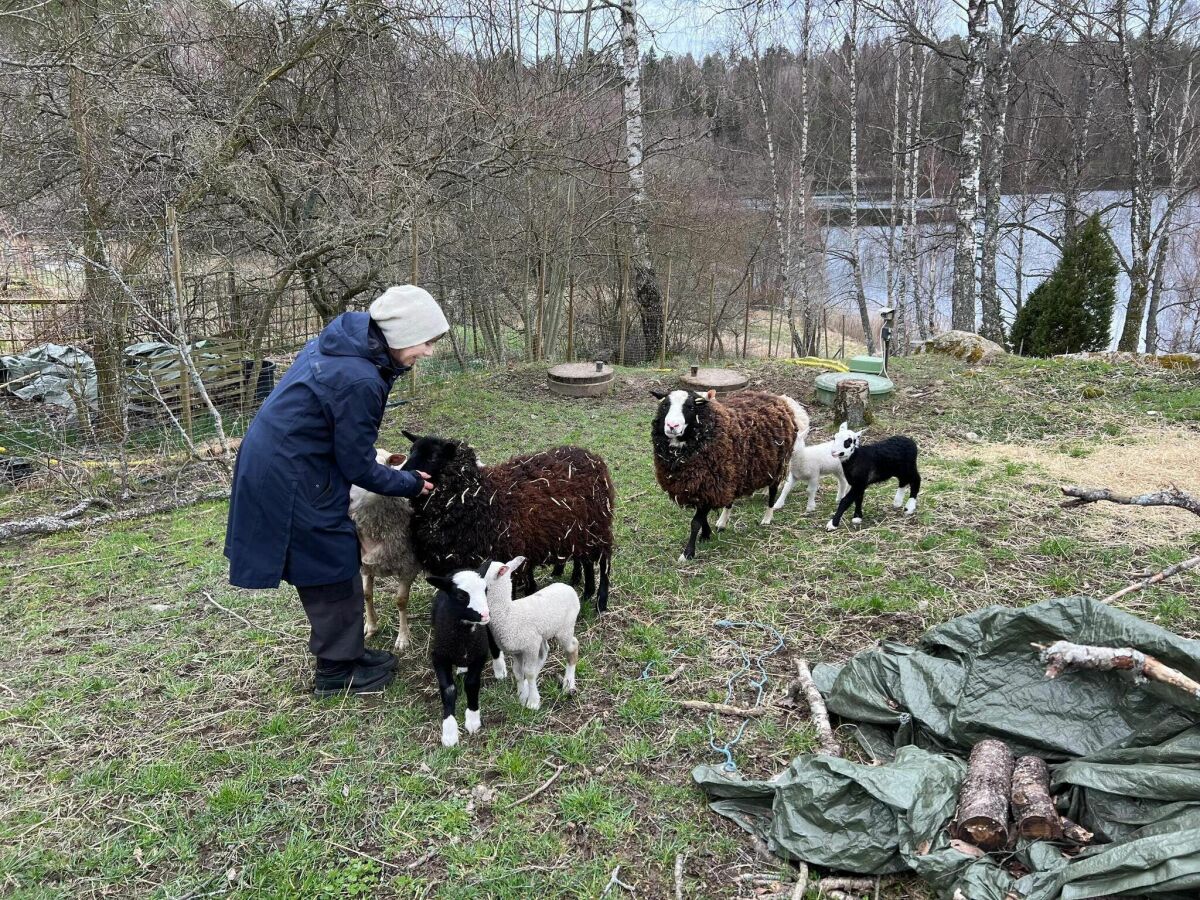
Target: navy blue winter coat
289, 510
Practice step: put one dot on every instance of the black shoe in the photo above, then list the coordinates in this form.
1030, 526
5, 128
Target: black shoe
351, 678
377, 658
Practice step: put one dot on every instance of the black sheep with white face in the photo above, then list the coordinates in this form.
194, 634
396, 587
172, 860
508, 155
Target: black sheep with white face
868, 464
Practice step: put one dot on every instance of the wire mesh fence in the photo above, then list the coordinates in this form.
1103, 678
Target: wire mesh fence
243, 332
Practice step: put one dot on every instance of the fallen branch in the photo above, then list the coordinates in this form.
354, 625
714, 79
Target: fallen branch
983, 803
614, 881
241, 618
801, 883
1033, 809
853, 885
1173, 496
42, 525
816, 707
1063, 655
1074, 832
679, 876
1154, 579
724, 709
549, 781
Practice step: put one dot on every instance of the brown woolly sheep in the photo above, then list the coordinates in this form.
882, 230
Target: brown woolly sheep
709, 452
548, 507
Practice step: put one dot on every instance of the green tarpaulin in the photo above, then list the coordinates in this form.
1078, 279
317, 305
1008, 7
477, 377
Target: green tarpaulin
1124, 760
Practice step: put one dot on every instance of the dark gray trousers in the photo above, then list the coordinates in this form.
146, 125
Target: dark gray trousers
335, 612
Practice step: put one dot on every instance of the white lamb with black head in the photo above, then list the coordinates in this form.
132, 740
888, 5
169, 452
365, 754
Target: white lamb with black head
868, 464
522, 629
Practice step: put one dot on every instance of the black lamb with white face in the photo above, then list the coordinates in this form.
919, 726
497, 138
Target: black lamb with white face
868, 464
459, 639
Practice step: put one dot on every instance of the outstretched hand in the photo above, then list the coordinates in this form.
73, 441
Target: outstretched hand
427, 487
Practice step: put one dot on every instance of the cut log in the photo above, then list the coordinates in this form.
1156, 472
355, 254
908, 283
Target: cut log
983, 802
1063, 655
850, 402
1033, 810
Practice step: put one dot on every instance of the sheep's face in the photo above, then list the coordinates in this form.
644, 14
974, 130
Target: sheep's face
498, 572
845, 442
430, 454
468, 592
678, 414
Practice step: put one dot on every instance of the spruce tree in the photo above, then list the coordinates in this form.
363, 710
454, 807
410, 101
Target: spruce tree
1072, 309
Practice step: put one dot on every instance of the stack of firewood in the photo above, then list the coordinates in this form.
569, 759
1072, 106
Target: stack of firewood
997, 784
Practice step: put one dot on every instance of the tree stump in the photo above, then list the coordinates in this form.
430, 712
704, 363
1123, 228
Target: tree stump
983, 803
1033, 810
850, 402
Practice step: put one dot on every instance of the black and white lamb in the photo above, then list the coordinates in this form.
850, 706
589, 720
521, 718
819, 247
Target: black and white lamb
385, 539
459, 639
868, 464
549, 507
524, 628
709, 452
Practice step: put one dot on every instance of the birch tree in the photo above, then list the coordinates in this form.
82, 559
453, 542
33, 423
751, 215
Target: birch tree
1000, 73
860, 296
966, 202
645, 282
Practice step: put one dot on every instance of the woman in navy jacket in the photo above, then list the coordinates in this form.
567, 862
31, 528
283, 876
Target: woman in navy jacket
315, 436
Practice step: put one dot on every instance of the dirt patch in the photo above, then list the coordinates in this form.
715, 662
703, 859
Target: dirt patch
1134, 463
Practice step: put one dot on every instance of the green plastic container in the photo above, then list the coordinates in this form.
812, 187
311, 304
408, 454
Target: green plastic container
866, 365
826, 385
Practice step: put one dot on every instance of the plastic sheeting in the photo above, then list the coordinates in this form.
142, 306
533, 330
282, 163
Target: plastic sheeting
1124, 758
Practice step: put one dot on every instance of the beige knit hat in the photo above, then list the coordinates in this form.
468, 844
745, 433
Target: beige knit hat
408, 315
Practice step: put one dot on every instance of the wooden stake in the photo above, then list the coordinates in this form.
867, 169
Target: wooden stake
662, 350
185, 376
621, 312
712, 299
416, 275
746, 322
571, 319
983, 803
538, 350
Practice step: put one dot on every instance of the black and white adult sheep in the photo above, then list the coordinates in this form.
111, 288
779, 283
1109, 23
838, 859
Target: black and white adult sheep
709, 452
549, 507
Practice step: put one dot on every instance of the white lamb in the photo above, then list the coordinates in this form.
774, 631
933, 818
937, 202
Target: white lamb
809, 464
523, 628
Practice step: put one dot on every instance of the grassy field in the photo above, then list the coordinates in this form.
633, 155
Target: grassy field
156, 737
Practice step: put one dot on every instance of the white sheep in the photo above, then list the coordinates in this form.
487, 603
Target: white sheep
523, 628
809, 464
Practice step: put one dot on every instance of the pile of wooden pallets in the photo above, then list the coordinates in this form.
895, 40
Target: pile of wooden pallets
158, 380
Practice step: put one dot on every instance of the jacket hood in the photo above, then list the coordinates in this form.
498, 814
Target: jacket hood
354, 334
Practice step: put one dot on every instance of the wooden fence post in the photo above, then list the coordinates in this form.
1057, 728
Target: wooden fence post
662, 350
185, 376
746, 324
712, 299
571, 319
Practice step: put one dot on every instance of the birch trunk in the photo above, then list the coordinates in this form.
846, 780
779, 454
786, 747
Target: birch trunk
784, 245
894, 215
855, 259
993, 324
1141, 178
966, 205
645, 283
905, 164
914, 174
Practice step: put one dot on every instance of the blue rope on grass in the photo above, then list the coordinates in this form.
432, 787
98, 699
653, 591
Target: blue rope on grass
757, 681
650, 665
